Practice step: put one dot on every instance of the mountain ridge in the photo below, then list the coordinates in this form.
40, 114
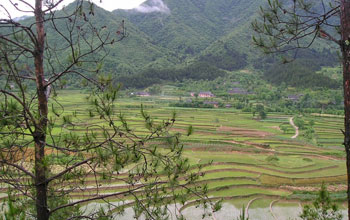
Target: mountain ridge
181, 34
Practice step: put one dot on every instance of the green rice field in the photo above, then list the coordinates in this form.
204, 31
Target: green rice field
254, 163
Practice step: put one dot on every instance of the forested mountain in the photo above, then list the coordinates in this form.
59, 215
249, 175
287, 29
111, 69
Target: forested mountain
219, 33
167, 39
190, 26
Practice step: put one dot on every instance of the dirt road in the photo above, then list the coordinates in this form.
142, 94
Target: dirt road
295, 127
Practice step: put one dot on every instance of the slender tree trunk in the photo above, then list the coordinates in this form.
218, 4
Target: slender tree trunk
345, 47
40, 130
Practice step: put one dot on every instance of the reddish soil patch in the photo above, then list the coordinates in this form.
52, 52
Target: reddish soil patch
184, 131
180, 130
331, 188
263, 147
26, 154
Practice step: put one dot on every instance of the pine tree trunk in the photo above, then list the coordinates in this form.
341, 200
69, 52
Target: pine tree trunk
345, 47
40, 129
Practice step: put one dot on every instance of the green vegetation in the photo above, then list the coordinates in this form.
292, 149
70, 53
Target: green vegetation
249, 157
242, 132
322, 208
235, 144
242, 215
300, 74
148, 77
214, 37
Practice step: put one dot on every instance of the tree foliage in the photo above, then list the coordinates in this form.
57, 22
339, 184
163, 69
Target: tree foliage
294, 25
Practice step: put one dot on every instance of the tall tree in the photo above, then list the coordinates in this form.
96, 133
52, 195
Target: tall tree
46, 155
290, 25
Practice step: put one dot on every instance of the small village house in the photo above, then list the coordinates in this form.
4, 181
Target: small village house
206, 95
140, 94
294, 98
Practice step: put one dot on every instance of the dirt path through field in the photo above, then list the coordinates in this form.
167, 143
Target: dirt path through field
273, 214
248, 205
295, 127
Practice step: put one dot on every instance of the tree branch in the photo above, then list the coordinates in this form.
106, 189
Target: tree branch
18, 167
48, 180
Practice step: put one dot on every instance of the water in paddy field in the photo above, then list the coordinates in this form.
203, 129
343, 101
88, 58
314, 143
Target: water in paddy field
228, 212
279, 213
231, 212
345, 214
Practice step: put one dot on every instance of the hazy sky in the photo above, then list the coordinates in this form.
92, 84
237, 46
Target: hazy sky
106, 4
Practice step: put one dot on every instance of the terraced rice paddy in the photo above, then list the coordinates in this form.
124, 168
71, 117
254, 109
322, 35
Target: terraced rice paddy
254, 163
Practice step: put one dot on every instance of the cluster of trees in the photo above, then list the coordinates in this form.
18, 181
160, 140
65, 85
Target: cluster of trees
300, 73
196, 104
308, 128
301, 70
260, 109
148, 77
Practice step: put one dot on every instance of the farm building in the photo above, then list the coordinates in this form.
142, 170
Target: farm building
206, 95
140, 93
294, 98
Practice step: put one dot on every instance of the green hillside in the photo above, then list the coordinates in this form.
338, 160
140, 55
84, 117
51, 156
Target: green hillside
133, 54
197, 28
219, 33
213, 35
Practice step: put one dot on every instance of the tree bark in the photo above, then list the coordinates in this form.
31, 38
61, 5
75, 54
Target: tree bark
40, 129
345, 47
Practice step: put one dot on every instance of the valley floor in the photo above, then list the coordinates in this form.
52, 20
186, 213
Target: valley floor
254, 163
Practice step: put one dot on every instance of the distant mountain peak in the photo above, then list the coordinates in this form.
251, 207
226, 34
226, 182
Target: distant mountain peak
17, 19
152, 6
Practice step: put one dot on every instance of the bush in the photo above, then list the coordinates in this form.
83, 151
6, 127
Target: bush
272, 159
307, 159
